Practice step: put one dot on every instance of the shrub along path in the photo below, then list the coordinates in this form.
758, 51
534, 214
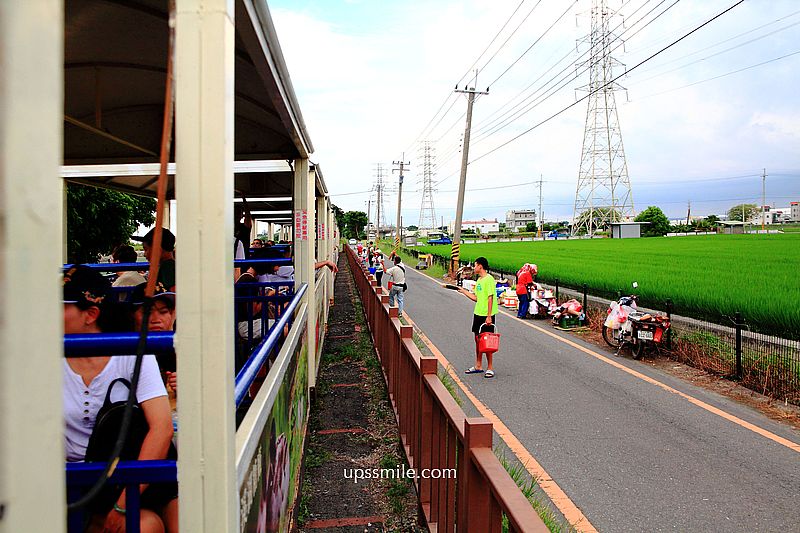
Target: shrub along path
352, 427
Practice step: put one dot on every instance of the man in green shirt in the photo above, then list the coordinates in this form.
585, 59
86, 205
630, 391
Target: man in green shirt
485, 298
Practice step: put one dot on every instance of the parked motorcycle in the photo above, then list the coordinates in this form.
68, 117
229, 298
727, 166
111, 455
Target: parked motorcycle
624, 325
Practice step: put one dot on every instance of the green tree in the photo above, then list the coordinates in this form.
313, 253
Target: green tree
339, 215
98, 220
354, 224
658, 222
413, 228
748, 210
530, 227
712, 220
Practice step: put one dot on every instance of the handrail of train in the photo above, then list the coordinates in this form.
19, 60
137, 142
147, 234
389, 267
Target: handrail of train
144, 265
99, 344
249, 371
162, 342
128, 473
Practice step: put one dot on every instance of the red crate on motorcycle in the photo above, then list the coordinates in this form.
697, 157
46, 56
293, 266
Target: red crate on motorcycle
488, 341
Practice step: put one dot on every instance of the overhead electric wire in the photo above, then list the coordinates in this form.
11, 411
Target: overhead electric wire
480, 133
722, 75
465, 75
512, 35
717, 53
569, 8
532, 105
612, 81
790, 15
573, 63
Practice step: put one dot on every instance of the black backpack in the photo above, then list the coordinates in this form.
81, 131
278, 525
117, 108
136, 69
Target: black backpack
107, 426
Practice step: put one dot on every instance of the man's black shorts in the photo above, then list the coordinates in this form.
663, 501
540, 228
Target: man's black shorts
478, 321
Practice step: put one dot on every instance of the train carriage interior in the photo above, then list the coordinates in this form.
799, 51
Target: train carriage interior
115, 71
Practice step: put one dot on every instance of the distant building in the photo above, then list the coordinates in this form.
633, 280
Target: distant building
772, 215
732, 227
481, 226
794, 211
627, 230
518, 219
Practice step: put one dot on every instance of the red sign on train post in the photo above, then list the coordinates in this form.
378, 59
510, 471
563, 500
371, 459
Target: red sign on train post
301, 224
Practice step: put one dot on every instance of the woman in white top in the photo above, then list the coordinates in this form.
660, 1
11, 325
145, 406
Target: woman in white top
88, 309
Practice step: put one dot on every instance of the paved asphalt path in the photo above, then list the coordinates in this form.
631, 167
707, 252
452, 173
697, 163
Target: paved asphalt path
632, 456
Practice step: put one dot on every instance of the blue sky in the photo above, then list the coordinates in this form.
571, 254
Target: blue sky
371, 74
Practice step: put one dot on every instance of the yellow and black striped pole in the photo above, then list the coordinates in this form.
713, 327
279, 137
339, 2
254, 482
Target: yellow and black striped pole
454, 257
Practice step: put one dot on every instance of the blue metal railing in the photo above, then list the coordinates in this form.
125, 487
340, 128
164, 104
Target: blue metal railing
249, 371
144, 265
100, 344
128, 473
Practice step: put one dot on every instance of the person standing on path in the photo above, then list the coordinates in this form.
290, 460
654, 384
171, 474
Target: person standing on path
486, 308
378, 260
524, 282
398, 274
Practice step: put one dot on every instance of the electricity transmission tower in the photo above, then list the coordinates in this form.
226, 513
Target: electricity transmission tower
380, 190
604, 188
427, 212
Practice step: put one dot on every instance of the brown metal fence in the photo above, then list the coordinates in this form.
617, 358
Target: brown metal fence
436, 434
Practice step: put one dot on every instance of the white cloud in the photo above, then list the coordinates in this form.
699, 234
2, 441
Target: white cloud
369, 78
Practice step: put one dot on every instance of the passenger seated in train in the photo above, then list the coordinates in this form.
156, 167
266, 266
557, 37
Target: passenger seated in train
162, 318
250, 311
166, 268
125, 253
88, 308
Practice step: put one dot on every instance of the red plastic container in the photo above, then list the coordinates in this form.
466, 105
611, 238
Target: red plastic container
488, 341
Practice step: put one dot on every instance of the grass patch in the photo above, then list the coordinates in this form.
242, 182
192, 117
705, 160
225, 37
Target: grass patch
303, 511
397, 492
450, 385
316, 458
435, 271
528, 487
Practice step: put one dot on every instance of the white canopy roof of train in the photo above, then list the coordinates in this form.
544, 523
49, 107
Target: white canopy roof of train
115, 56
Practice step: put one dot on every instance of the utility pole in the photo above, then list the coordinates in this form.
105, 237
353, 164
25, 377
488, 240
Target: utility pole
541, 216
763, 197
369, 212
402, 163
688, 211
455, 251
379, 188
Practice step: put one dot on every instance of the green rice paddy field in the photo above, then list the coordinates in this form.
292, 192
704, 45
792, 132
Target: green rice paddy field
707, 277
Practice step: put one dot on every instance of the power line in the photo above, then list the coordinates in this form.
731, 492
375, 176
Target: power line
569, 8
511, 35
500, 123
450, 94
483, 128
721, 75
716, 53
611, 81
